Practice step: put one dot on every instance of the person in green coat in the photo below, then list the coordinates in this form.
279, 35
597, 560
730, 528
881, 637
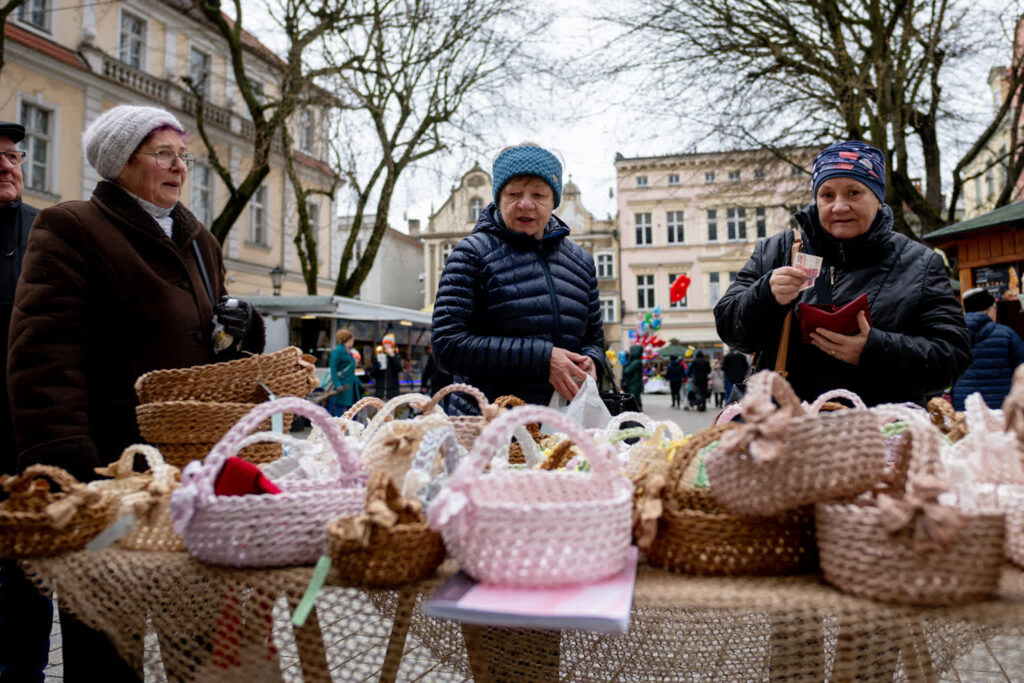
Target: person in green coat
343, 375
633, 374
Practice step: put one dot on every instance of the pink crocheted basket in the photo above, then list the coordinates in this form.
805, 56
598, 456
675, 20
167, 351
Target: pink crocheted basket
535, 528
788, 457
265, 530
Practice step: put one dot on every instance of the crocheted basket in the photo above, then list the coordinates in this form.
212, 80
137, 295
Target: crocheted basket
905, 547
146, 496
655, 454
533, 528
682, 529
394, 446
467, 427
389, 543
784, 458
266, 530
35, 521
192, 422
386, 412
515, 451
236, 381
361, 404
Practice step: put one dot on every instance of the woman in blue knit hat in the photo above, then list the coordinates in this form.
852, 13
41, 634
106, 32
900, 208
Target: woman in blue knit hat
517, 308
915, 343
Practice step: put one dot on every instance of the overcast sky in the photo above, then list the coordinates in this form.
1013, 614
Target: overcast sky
585, 121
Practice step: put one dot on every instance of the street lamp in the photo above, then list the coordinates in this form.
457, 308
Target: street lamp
276, 278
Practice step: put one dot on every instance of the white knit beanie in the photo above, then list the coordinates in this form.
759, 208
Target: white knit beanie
116, 133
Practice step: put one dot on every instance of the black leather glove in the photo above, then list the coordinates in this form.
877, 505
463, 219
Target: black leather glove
235, 317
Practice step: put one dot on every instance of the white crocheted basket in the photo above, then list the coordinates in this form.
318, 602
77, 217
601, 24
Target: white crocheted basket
535, 528
266, 530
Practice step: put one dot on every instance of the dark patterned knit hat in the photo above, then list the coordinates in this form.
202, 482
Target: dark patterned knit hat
851, 159
527, 160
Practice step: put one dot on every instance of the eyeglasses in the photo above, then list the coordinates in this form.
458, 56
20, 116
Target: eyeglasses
14, 158
165, 158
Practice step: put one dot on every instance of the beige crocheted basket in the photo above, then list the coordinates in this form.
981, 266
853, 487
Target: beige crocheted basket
236, 381
180, 454
35, 521
904, 547
695, 536
146, 496
784, 458
467, 427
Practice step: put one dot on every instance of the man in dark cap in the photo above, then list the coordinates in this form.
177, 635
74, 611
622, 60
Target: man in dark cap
998, 350
25, 615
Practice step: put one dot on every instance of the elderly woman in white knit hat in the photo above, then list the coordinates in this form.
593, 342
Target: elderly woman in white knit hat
126, 282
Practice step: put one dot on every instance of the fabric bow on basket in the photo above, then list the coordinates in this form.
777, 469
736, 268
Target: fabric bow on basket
389, 543
903, 545
787, 456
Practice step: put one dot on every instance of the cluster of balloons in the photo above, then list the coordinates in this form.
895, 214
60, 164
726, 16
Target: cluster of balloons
610, 355
650, 322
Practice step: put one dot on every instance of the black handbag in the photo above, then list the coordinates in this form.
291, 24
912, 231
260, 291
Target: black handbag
616, 401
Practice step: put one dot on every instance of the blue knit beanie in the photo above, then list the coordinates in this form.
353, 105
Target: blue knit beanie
851, 159
527, 160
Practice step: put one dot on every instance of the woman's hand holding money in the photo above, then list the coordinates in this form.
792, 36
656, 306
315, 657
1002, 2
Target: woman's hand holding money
786, 282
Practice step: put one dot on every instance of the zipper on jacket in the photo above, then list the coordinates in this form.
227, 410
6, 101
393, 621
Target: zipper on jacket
557, 336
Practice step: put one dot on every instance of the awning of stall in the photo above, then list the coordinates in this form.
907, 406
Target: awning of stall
337, 307
1011, 215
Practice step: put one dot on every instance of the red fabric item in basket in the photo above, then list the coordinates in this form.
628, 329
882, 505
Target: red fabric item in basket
841, 319
240, 477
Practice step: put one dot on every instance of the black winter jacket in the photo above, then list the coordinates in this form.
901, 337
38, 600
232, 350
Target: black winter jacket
997, 353
918, 344
505, 300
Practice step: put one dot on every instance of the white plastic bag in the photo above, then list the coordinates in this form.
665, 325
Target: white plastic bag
586, 407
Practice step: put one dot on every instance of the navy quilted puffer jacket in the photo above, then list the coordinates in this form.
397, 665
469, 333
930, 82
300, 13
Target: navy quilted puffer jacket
997, 352
505, 300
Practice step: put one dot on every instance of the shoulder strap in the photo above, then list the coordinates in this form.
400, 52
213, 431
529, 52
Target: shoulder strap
203, 273
781, 356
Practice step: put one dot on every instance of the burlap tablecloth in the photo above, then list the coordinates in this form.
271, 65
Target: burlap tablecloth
178, 619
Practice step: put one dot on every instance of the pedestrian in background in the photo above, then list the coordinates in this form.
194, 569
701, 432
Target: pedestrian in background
386, 369
343, 375
717, 383
633, 374
26, 616
735, 368
998, 350
700, 372
674, 373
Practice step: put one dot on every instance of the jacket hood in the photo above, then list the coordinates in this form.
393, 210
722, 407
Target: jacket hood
490, 220
636, 351
861, 246
979, 325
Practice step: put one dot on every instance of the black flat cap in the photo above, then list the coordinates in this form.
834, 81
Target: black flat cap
14, 131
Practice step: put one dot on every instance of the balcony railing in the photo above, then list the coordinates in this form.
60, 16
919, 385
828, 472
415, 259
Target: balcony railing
153, 88
212, 114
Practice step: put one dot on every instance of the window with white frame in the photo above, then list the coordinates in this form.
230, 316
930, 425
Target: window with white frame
795, 172
605, 261
674, 224
641, 181
476, 207
734, 176
35, 13
736, 223
990, 185
38, 145
712, 225
313, 213
758, 174
761, 221
709, 177
307, 131
202, 193
645, 292
675, 304
644, 231
673, 178
608, 310
977, 191
714, 288
132, 44
199, 71
258, 218
446, 251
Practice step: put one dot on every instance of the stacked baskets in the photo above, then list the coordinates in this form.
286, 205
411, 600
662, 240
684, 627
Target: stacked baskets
185, 411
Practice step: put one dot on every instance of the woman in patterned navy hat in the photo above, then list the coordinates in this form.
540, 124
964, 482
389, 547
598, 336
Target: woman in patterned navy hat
517, 309
916, 344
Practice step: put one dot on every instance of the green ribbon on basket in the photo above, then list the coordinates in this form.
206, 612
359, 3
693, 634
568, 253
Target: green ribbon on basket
316, 582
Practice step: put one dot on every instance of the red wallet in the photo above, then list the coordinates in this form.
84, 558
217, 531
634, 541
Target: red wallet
841, 319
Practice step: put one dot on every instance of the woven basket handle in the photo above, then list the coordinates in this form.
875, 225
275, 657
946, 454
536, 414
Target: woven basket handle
485, 407
162, 472
230, 443
615, 424
497, 434
925, 441
689, 450
365, 402
853, 398
20, 484
766, 385
387, 411
674, 432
